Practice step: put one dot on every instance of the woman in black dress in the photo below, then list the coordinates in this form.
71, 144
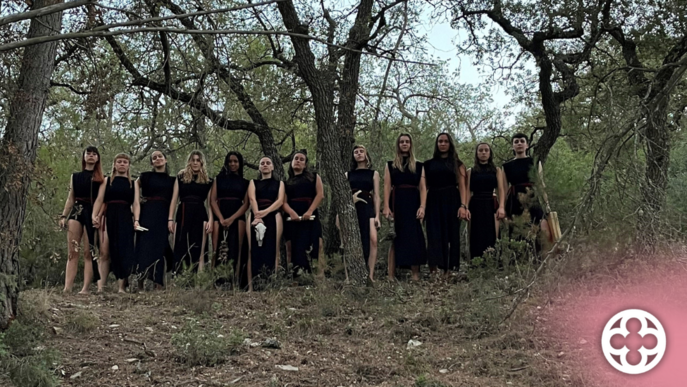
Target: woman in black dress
77, 218
152, 246
517, 179
229, 200
446, 197
303, 231
193, 220
264, 225
485, 208
365, 189
118, 194
405, 196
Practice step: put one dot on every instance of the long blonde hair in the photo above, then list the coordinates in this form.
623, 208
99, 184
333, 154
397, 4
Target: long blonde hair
398, 160
128, 171
186, 174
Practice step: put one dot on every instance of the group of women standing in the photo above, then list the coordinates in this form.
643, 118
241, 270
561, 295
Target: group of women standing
131, 220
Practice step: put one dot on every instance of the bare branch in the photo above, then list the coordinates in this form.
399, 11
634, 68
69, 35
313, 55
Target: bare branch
44, 11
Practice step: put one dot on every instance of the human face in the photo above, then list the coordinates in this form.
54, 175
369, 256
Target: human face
233, 163
520, 145
483, 153
90, 157
122, 166
298, 162
443, 143
266, 166
359, 155
404, 144
158, 159
196, 164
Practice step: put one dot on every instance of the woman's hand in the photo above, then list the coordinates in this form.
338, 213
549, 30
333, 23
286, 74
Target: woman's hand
500, 214
96, 221
227, 222
307, 215
136, 224
255, 222
378, 224
294, 216
467, 215
171, 226
63, 222
387, 213
261, 214
461, 212
208, 227
420, 213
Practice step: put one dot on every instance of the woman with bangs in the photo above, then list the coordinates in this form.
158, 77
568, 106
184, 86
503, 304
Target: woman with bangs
303, 233
118, 194
77, 217
229, 200
152, 244
405, 196
486, 209
264, 225
193, 220
446, 197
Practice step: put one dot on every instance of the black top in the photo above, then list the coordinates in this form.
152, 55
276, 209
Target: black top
440, 173
84, 187
119, 190
193, 192
362, 179
483, 182
301, 187
266, 192
518, 170
156, 185
406, 177
231, 186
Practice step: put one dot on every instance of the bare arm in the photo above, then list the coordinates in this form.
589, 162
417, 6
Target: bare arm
137, 201
467, 189
289, 211
211, 217
241, 211
423, 190
251, 197
501, 181
98, 206
173, 206
387, 191
319, 196
69, 203
213, 202
376, 193
462, 184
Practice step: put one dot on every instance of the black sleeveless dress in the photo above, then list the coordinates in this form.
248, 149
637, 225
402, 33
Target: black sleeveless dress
441, 215
152, 246
305, 235
191, 214
482, 210
409, 244
231, 190
119, 223
85, 194
363, 180
517, 173
263, 257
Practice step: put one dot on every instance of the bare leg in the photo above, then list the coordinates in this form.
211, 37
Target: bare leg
338, 227
280, 227
74, 234
545, 229
242, 234
288, 253
250, 260
391, 259
416, 272
104, 260
497, 224
87, 264
373, 248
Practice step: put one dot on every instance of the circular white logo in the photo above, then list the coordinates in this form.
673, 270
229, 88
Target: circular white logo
649, 350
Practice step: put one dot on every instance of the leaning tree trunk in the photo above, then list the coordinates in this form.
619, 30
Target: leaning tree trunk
18, 151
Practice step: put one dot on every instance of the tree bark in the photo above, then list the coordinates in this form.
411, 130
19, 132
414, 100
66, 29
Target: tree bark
18, 151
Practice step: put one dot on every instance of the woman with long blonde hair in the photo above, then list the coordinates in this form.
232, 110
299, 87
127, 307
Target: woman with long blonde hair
194, 217
118, 194
405, 196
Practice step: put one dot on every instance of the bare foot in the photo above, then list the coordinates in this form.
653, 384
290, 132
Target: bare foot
84, 292
66, 291
121, 291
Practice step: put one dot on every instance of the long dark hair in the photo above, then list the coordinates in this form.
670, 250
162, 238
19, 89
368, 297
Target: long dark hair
306, 171
98, 176
225, 168
452, 153
354, 164
489, 166
163, 155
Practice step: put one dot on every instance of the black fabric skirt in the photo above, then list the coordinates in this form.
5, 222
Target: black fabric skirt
443, 228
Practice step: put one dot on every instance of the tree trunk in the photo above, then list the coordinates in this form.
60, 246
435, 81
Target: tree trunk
18, 151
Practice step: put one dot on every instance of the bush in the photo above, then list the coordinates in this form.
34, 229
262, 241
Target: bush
81, 321
24, 359
207, 345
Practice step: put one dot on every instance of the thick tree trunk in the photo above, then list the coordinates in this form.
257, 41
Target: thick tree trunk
18, 151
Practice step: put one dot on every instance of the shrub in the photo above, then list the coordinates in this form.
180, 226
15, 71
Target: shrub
197, 345
81, 321
24, 359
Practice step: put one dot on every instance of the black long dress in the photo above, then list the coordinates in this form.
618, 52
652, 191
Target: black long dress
263, 257
231, 190
363, 180
152, 246
441, 215
304, 235
517, 173
85, 194
190, 217
119, 223
409, 244
482, 210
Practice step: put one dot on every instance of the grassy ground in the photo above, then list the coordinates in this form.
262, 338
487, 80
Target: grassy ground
333, 335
